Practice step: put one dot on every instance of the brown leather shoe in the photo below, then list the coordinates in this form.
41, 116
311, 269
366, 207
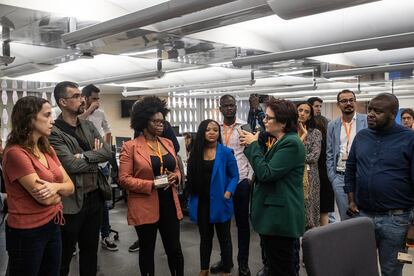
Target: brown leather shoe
204, 273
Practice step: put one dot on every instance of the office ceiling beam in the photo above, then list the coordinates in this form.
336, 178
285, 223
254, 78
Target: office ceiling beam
367, 70
138, 19
389, 41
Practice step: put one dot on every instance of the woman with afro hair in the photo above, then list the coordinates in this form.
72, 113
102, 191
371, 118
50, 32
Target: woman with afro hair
149, 171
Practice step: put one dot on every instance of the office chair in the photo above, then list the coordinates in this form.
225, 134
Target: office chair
345, 248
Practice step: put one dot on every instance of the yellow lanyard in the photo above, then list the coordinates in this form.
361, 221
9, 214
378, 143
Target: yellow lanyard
227, 135
159, 155
348, 133
270, 142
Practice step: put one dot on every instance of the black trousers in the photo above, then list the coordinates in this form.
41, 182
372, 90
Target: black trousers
83, 228
169, 227
280, 253
34, 251
241, 214
206, 230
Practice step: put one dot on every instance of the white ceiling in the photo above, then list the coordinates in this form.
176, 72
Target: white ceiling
269, 34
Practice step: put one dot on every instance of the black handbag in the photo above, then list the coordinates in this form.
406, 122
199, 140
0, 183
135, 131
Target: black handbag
104, 186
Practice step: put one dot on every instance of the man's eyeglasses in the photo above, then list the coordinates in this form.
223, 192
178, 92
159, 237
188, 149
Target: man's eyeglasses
345, 101
268, 118
75, 96
158, 122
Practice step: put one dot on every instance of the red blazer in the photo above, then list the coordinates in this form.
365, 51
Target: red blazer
136, 175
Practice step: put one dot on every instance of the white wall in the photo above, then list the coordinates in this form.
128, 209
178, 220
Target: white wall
111, 104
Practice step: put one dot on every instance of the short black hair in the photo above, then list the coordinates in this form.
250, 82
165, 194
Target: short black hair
390, 99
60, 89
87, 90
311, 100
144, 109
226, 96
409, 111
343, 92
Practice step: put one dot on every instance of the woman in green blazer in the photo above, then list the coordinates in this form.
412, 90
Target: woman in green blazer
278, 213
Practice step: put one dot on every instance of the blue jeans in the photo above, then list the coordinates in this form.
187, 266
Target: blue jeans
241, 213
340, 196
390, 233
105, 226
3, 253
34, 251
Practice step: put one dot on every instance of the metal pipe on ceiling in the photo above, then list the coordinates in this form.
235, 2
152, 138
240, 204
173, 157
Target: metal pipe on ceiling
138, 19
296, 8
368, 70
393, 41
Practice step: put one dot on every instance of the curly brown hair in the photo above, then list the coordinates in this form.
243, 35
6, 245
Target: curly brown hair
24, 113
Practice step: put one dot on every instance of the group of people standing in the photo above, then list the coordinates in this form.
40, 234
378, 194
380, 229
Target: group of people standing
282, 179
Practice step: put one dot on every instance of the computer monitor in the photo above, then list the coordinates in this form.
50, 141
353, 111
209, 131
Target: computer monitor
119, 141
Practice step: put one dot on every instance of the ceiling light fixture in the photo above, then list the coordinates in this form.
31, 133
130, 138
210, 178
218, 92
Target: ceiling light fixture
268, 90
138, 19
389, 41
368, 70
183, 88
126, 78
141, 53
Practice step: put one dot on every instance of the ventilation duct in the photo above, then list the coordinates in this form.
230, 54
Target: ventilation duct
27, 68
288, 9
368, 70
394, 41
141, 18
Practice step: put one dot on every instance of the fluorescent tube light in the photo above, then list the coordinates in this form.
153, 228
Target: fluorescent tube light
141, 53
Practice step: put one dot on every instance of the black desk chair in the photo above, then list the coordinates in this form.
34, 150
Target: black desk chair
344, 248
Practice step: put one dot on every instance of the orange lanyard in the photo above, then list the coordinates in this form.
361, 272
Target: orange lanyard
270, 142
227, 135
348, 133
159, 155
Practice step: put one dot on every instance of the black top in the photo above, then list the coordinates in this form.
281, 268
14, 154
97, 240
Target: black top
165, 196
204, 195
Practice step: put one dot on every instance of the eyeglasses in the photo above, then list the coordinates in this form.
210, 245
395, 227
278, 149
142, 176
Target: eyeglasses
158, 122
345, 101
268, 118
75, 96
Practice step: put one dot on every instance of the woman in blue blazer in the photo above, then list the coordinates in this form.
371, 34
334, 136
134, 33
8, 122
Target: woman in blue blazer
212, 179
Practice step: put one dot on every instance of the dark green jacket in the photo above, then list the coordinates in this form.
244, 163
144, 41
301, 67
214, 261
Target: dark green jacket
277, 200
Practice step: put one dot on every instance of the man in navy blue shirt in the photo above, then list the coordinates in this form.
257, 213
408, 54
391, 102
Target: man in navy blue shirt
379, 179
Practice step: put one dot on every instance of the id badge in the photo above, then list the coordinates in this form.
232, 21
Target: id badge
344, 156
161, 181
404, 258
